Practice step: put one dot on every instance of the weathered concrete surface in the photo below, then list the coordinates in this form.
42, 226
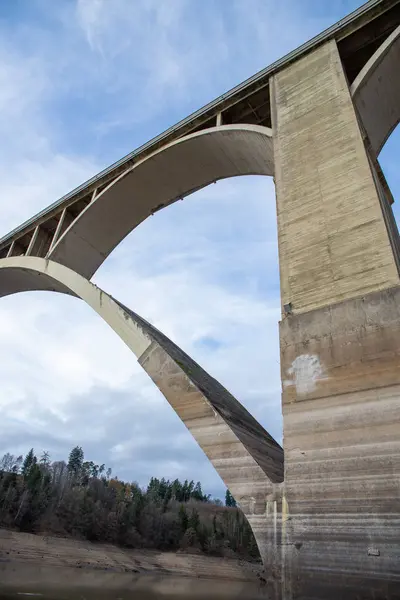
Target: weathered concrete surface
342, 348
340, 343
333, 242
246, 457
166, 176
376, 92
341, 405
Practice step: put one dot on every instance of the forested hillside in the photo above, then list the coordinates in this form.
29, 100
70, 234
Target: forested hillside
81, 499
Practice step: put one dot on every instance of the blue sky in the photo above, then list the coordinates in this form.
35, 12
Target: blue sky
81, 84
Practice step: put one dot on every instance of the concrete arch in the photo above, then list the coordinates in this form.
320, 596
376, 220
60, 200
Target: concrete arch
175, 171
246, 457
376, 92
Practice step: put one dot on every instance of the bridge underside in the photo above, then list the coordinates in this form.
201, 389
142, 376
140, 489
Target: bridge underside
369, 65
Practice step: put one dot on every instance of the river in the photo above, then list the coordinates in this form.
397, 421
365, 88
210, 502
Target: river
58, 583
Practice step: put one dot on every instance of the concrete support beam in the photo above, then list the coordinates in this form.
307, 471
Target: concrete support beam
64, 222
340, 343
168, 175
39, 243
330, 226
376, 92
341, 378
11, 248
15, 249
33, 243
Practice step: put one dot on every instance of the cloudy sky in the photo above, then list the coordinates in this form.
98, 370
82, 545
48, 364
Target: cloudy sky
82, 83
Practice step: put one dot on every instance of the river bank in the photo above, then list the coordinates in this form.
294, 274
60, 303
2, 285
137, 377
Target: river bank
50, 551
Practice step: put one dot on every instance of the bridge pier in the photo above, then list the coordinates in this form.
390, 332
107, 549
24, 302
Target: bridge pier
340, 342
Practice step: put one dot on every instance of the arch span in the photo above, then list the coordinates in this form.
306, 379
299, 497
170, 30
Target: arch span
376, 92
247, 458
175, 171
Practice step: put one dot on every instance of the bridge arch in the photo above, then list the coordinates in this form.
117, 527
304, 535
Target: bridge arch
376, 92
170, 174
247, 458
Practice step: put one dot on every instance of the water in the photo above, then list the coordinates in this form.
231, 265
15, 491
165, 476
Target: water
58, 583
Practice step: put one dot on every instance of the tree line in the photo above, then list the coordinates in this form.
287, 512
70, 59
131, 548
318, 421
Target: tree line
81, 499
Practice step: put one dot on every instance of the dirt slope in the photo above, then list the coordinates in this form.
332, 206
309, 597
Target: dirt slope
16, 547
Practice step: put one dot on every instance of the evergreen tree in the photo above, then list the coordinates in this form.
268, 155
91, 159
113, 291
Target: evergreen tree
29, 461
198, 492
183, 518
34, 477
75, 461
78, 500
229, 499
176, 490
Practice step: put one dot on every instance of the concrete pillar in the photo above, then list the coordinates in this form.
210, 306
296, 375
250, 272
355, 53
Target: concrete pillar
247, 458
340, 344
333, 243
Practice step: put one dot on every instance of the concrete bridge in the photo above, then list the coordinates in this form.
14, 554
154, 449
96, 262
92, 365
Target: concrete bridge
325, 510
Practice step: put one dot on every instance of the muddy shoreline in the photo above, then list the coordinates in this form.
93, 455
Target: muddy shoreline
44, 551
